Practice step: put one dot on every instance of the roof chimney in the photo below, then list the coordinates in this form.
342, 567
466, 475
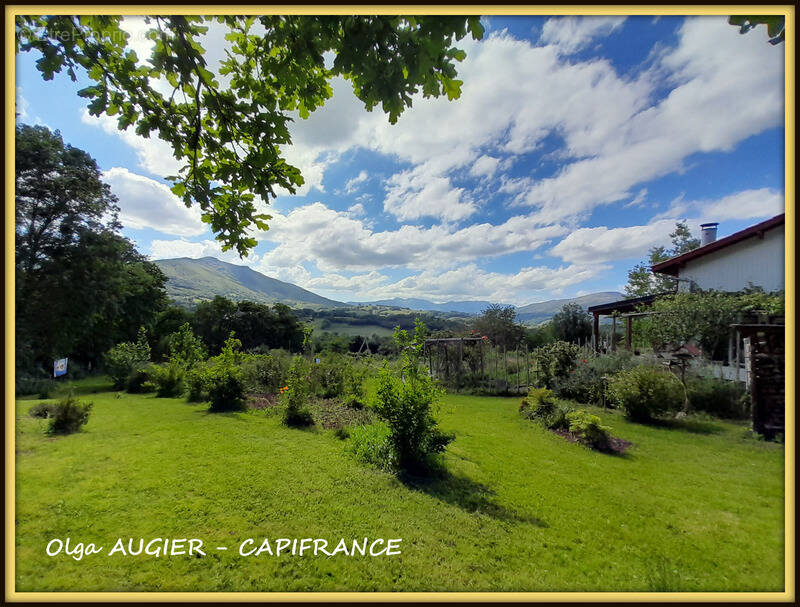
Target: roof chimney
708, 233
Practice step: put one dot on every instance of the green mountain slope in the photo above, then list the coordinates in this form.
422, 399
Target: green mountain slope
539, 312
194, 280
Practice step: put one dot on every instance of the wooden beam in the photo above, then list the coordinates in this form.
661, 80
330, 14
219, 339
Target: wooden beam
628, 333
596, 332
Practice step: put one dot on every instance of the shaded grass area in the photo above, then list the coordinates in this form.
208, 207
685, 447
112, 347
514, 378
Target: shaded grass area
519, 508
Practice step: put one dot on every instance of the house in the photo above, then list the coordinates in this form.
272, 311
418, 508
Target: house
751, 257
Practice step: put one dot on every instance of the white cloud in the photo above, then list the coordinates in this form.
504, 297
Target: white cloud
469, 282
352, 184
21, 105
145, 203
337, 241
485, 166
418, 193
711, 108
602, 244
356, 210
747, 204
571, 34
170, 249
154, 155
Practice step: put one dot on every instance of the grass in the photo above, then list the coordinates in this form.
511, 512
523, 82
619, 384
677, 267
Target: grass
691, 507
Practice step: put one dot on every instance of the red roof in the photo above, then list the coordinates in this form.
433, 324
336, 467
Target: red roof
671, 266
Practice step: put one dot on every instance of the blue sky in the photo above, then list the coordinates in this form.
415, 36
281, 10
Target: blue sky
575, 146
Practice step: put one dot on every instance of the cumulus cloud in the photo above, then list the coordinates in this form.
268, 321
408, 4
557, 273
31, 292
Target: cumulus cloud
21, 105
336, 241
747, 204
571, 34
604, 244
707, 110
485, 166
146, 203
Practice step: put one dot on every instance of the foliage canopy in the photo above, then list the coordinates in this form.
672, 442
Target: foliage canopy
228, 128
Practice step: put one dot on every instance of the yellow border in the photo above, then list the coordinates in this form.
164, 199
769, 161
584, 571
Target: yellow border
787, 595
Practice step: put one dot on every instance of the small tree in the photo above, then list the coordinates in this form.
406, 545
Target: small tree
642, 281
498, 324
406, 402
572, 323
185, 348
127, 357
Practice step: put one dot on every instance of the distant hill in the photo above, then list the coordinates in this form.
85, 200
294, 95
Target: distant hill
536, 313
194, 280
531, 314
463, 307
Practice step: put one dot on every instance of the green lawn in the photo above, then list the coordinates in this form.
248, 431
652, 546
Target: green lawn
697, 508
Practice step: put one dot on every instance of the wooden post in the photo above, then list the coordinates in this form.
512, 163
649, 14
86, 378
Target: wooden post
596, 332
505, 366
613, 332
628, 333
527, 368
460, 363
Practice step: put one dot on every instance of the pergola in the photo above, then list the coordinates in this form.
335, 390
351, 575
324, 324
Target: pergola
626, 307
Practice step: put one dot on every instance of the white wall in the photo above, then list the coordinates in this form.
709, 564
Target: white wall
753, 260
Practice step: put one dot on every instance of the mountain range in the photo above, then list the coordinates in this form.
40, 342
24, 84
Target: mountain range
193, 280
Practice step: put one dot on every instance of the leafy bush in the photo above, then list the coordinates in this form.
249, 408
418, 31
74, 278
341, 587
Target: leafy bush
167, 380
406, 404
224, 384
371, 444
645, 392
185, 348
554, 361
296, 393
588, 429
585, 384
68, 415
196, 383
541, 407
354, 395
30, 384
718, 397
42, 410
264, 372
124, 358
137, 381
328, 377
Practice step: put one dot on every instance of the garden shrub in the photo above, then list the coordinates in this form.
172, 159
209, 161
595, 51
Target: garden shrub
42, 410
540, 406
588, 429
645, 392
137, 381
371, 444
196, 383
185, 348
264, 372
328, 376
296, 393
585, 384
719, 397
121, 360
26, 383
222, 379
354, 393
167, 380
68, 415
405, 404
554, 361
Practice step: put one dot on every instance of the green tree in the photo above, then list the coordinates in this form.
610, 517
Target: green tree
185, 348
80, 286
229, 136
58, 193
498, 324
641, 279
572, 323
